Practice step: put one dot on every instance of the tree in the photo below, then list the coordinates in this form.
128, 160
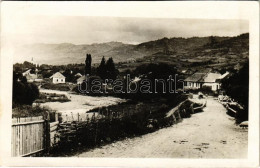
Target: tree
102, 68
69, 76
88, 64
23, 92
212, 41
28, 65
107, 69
111, 70
237, 87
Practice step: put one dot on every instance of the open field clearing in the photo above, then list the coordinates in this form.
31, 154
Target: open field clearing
79, 103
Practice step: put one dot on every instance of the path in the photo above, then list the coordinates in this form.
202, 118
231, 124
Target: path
210, 134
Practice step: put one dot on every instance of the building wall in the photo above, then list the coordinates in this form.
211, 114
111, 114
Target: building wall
58, 80
214, 86
192, 85
196, 85
79, 82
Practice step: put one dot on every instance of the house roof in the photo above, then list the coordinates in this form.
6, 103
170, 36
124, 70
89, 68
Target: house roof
203, 77
78, 74
196, 77
82, 78
27, 72
31, 76
211, 77
224, 75
57, 75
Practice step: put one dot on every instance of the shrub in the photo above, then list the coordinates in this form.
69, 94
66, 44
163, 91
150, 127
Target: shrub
60, 86
119, 121
23, 92
30, 111
237, 87
206, 90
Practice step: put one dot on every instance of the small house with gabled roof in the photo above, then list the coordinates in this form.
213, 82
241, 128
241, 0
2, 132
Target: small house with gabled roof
198, 80
58, 78
195, 81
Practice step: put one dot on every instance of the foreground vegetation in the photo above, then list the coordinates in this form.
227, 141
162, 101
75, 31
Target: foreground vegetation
114, 123
237, 87
30, 111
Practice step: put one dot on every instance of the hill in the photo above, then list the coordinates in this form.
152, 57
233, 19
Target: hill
171, 50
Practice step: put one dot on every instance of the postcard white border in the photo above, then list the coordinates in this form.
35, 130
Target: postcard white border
248, 10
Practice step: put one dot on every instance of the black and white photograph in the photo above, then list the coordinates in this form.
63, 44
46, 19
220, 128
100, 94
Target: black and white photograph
128, 86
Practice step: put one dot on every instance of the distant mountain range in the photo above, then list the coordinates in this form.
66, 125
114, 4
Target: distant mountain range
66, 53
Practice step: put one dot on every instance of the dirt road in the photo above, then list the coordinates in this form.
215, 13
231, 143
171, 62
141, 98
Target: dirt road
210, 134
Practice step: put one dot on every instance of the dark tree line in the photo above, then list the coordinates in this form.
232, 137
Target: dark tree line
107, 70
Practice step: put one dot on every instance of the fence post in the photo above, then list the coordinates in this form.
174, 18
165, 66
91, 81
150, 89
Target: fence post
72, 117
47, 136
192, 109
56, 116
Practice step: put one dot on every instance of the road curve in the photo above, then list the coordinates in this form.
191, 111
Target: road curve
209, 134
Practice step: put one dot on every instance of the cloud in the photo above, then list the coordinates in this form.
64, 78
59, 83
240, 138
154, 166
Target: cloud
87, 30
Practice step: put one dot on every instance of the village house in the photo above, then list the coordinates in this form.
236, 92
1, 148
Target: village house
33, 77
198, 80
194, 81
211, 81
57, 78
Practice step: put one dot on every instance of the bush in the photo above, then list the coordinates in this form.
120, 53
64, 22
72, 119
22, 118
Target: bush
30, 111
206, 90
60, 86
127, 119
53, 97
237, 87
23, 92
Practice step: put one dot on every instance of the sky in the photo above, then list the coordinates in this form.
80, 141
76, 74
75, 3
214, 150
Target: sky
26, 23
88, 30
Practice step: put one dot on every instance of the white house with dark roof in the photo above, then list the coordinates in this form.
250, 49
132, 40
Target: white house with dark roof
195, 81
57, 78
211, 81
198, 80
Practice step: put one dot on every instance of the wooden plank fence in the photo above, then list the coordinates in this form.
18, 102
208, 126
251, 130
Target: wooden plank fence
28, 135
53, 133
31, 135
